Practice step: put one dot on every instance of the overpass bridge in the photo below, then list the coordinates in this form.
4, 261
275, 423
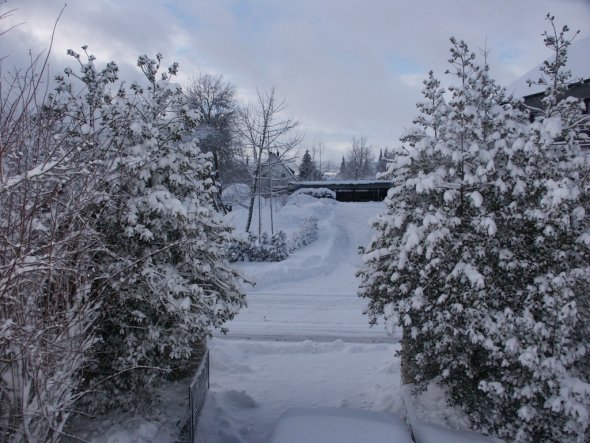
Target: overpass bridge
348, 190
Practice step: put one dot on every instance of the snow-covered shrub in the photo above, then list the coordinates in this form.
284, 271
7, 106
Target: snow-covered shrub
317, 192
304, 235
160, 276
278, 249
260, 249
538, 343
238, 250
274, 248
482, 256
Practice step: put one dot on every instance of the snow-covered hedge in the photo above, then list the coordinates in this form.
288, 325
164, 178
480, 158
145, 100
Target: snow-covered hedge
307, 233
274, 248
317, 192
260, 249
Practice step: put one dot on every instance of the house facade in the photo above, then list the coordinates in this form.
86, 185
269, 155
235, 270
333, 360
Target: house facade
275, 175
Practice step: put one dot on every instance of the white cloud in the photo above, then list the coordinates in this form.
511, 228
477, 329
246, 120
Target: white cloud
332, 59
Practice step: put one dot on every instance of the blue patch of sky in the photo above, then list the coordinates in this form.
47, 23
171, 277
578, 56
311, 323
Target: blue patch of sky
253, 17
241, 8
402, 65
186, 19
510, 55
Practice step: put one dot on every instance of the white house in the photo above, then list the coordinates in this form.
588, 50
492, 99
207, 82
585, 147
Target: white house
275, 175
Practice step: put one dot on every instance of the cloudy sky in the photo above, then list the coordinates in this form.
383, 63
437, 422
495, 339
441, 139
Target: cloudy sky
346, 67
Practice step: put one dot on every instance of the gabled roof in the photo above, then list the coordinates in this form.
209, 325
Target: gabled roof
578, 62
275, 162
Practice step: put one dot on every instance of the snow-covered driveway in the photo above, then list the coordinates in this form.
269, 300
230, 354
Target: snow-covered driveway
303, 340
312, 294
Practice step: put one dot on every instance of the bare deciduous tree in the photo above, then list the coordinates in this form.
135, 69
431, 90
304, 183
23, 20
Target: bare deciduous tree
359, 159
216, 101
264, 129
49, 166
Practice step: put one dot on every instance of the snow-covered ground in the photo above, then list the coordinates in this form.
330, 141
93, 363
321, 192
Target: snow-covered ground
312, 294
253, 382
302, 342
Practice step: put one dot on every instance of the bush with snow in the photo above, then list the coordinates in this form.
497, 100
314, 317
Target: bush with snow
112, 253
163, 280
304, 235
482, 256
275, 248
260, 249
316, 192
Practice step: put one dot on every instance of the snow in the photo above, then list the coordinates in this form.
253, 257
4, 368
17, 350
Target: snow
302, 342
272, 377
313, 292
342, 426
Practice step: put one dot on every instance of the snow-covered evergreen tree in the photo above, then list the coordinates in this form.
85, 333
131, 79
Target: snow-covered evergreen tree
537, 344
477, 204
342, 170
307, 168
278, 247
381, 165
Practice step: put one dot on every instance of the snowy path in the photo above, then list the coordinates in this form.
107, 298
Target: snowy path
303, 341
312, 294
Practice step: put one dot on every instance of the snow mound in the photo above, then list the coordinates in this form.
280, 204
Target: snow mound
317, 192
240, 399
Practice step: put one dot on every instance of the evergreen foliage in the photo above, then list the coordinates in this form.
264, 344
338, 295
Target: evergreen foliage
275, 248
162, 282
307, 168
482, 256
381, 165
306, 234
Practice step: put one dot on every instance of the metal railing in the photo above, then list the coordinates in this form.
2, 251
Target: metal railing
197, 392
